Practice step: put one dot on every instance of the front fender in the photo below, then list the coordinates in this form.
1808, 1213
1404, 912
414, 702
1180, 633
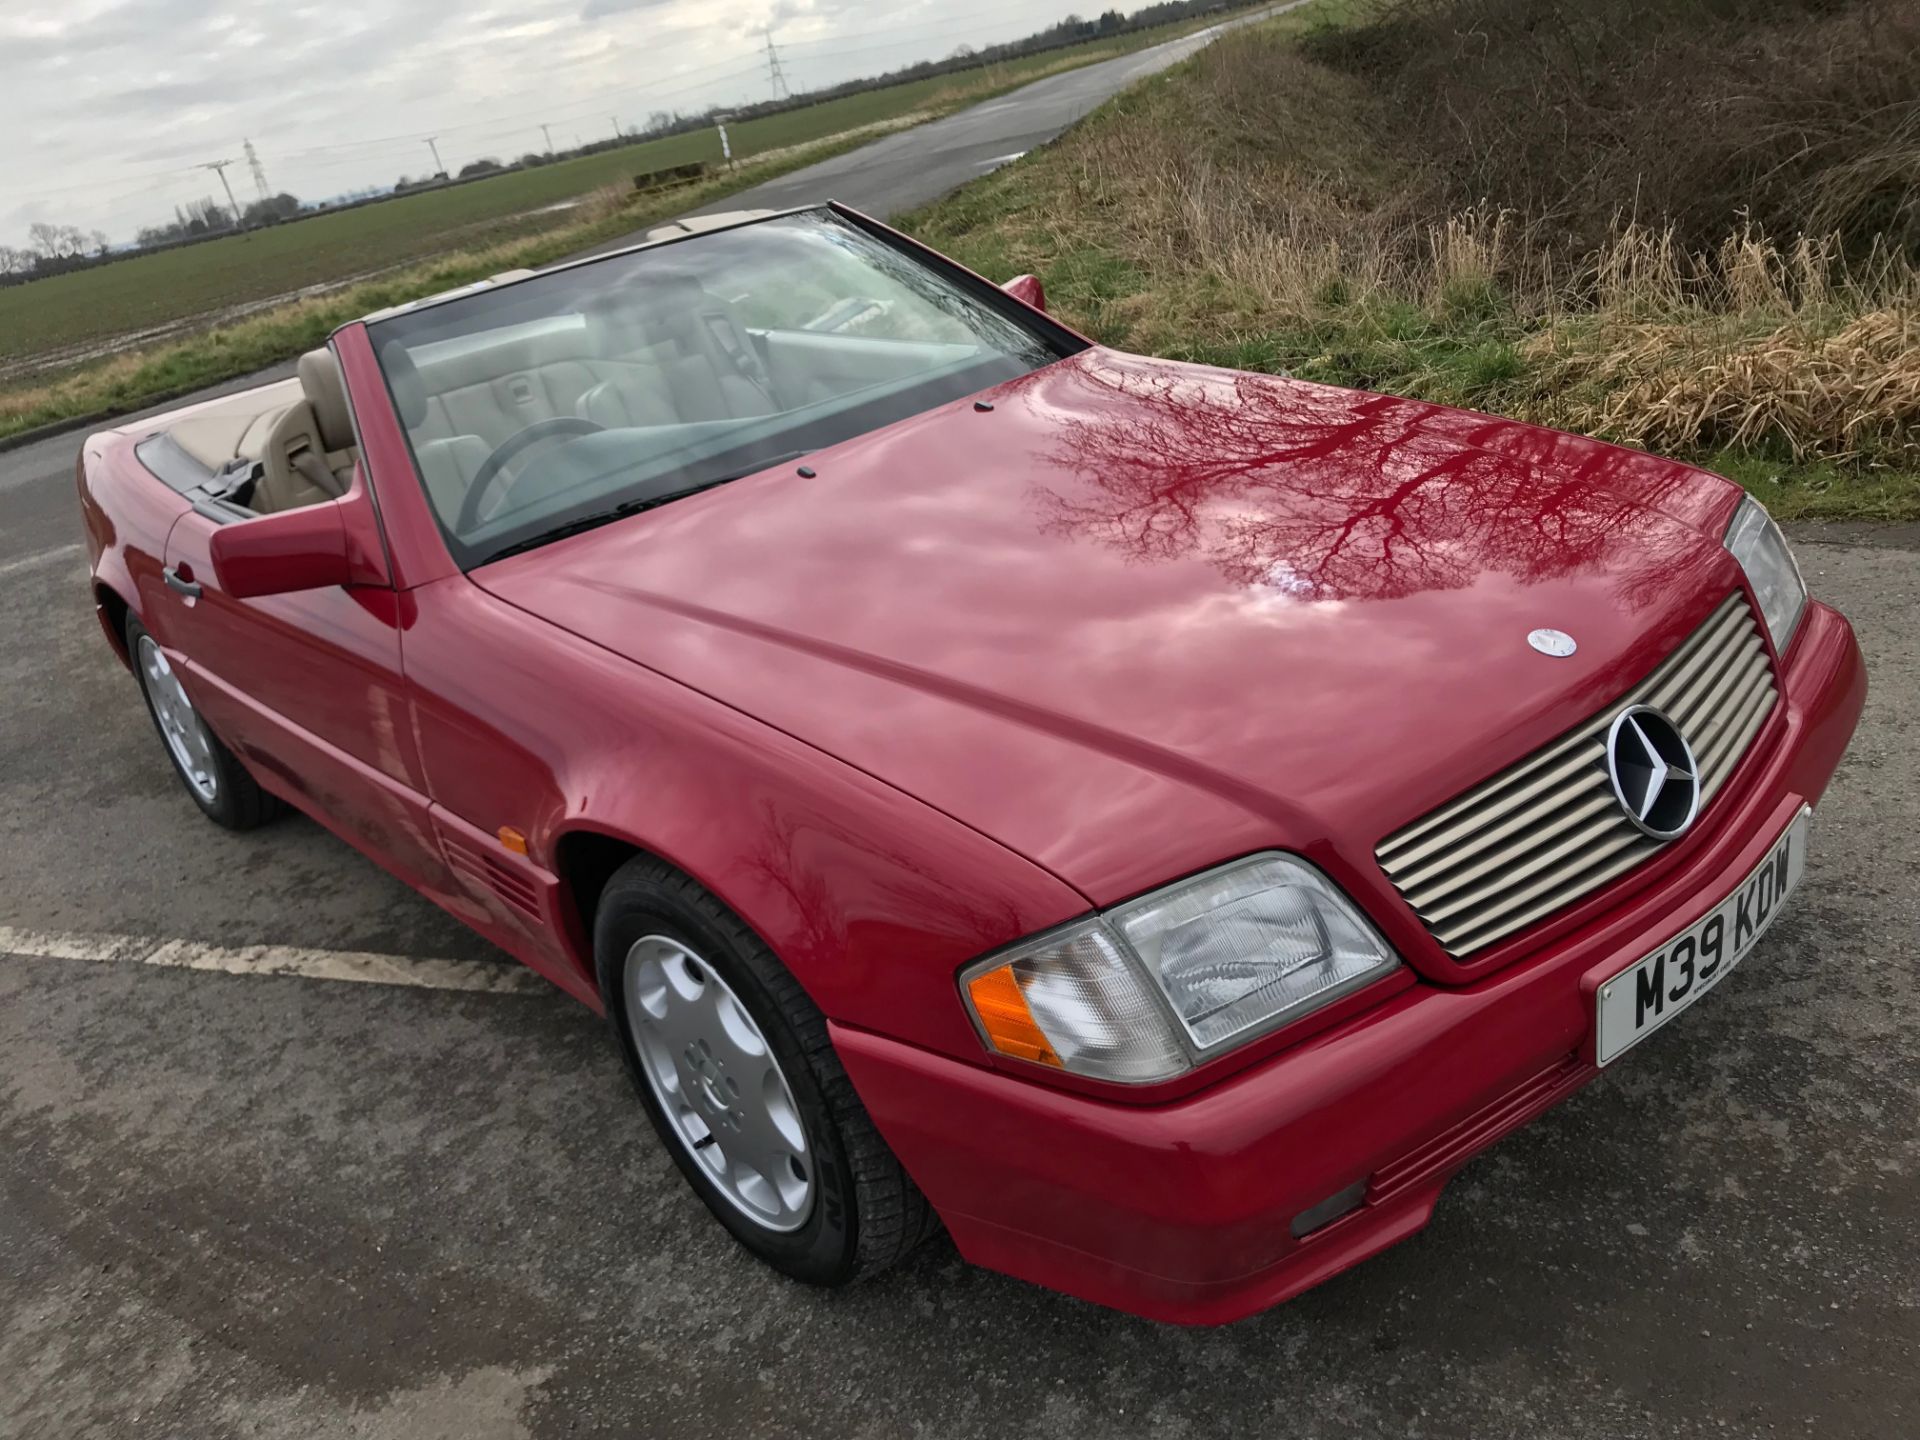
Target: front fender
873, 899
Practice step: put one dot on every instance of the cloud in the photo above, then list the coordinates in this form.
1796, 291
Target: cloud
601, 9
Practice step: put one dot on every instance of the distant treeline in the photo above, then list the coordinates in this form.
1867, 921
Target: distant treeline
60, 249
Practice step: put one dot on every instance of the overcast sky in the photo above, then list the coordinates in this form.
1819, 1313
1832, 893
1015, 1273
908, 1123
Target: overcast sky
108, 104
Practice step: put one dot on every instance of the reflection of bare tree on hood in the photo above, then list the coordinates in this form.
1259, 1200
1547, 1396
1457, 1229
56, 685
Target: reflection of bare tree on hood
1330, 493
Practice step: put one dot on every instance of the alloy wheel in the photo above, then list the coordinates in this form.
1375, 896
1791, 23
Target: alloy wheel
726, 1099
180, 724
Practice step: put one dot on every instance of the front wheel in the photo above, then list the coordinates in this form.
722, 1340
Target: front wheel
218, 783
736, 1071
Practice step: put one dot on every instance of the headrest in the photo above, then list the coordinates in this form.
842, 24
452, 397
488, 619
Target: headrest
613, 326
326, 392
405, 381
660, 306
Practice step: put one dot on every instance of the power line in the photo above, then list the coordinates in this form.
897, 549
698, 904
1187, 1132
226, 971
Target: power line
412, 137
773, 68
584, 102
971, 23
591, 101
158, 176
497, 123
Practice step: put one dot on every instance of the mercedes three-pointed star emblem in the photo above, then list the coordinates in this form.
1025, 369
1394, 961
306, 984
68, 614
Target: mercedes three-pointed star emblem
1654, 775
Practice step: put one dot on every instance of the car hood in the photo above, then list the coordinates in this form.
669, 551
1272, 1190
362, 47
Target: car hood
1131, 618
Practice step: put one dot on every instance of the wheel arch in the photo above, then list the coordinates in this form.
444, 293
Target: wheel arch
868, 899
584, 860
588, 855
122, 508
113, 608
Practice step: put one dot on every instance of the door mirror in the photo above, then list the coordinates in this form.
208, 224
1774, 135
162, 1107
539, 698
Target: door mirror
312, 548
1028, 290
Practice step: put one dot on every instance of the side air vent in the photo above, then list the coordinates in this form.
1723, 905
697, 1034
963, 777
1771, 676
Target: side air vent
492, 872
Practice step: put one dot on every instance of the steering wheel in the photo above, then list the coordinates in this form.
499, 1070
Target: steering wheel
559, 427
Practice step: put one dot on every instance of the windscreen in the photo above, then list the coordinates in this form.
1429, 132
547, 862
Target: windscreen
575, 398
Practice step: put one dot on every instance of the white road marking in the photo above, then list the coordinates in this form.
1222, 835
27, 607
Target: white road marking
999, 160
284, 960
45, 557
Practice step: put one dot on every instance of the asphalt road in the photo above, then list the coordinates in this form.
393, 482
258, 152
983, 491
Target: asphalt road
260, 1205
915, 167
241, 1205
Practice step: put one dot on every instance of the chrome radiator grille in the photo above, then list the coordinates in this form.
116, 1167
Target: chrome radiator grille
1547, 832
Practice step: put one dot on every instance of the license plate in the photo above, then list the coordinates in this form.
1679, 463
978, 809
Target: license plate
1645, 996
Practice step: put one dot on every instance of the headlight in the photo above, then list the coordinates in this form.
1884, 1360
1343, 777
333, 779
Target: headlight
1155, 986
1756, 542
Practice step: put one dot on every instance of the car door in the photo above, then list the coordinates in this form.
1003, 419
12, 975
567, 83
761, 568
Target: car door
308, 689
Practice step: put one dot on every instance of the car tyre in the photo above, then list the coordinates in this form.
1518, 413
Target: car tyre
213, 776
863, 1212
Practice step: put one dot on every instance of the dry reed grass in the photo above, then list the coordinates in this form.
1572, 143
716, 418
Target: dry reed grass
1849, 396
1230, 245
601, 205
1797, 114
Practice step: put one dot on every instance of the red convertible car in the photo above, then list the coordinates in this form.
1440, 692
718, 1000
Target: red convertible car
1155, 822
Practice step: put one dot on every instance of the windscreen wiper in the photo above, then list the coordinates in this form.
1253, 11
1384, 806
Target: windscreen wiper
753, 469
627, 508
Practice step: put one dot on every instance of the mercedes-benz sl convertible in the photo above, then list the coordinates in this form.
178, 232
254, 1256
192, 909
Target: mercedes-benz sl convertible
1157, 823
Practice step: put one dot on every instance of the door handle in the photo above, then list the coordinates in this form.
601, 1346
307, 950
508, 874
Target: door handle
180, 579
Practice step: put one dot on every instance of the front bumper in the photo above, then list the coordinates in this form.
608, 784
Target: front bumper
1185, 1211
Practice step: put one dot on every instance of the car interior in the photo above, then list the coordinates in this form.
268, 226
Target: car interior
530, 405
279, 447
682, 360
684, 363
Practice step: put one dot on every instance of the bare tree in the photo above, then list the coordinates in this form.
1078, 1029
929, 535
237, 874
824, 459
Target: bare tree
197, 217
51, 242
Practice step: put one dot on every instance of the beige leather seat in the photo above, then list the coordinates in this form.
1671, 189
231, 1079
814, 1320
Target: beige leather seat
447, 465
633, 388
496, 390
668, 353
699, 363
308, 453
634, 393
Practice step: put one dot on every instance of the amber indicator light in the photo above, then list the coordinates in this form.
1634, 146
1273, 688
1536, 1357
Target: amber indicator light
1003, 1013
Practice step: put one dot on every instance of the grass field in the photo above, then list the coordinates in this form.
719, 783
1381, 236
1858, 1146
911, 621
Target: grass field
146, 376
61, 317
1263, 208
